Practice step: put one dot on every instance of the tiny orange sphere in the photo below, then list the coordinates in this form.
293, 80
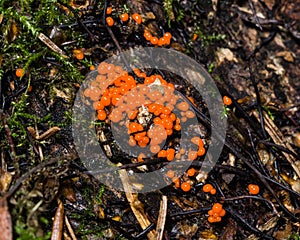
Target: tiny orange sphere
253, 189
227, 100
154, 40
222, 213
213, 191
154, 148
176, 182
192, 155
79, 56
162, 153
201, 151
217, 208
195, 36
183, 106
147, 35
19, 72
92, 67
131, 141
137, 18
191, 172
211, 219
124, 17
170, 174
110, 22
170, 154
207, 187
101, 115
168, 35
108, 10
185, 186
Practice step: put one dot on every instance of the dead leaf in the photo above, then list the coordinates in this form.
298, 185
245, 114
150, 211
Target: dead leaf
297, 139
61, 94
5, 221
5, 180
277, 67
149, 16
188, 231
287, 56
12, 32
207, 235
229, 232
224, 53
282, 235
278, 40
269, 3
271, 223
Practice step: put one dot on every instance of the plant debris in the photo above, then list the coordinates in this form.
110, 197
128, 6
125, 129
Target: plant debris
55, 50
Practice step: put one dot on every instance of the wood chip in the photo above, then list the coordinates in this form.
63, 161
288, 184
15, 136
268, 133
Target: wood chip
5, 221
47, 41
58, 222
135, 204
161, 218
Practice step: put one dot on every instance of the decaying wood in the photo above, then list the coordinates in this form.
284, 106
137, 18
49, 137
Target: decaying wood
44, 135
47, 41
70, 229
5, 221
135, 204
58, 222
162, 217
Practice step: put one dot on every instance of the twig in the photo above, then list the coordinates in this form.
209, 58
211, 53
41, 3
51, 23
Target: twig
258, 101
253, 197
31, 171
135, 204
161, 218
93, 38
9, 138
282, 148
47, 41
201, 210
277, 137
239, 219
254, 14
255, 153
144, 232
58, 221
261, 178
70, 229
264, 41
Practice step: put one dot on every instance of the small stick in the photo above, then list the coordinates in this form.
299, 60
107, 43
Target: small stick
277, 137
93, 38
282, 148
254, 14
258, 101
256, 156
9, 138
236, 216
135, 204
47, 41
201, 210
161, 218
58, 222
44, 135
253, 197
70, 229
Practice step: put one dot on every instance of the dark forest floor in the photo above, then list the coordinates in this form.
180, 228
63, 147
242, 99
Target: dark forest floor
49, 50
